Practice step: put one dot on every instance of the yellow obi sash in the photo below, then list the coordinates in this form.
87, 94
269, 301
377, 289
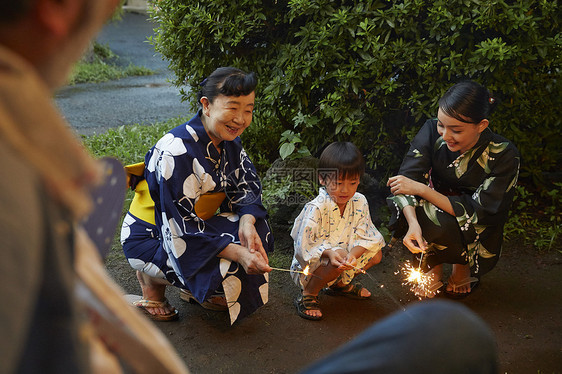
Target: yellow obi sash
142, 205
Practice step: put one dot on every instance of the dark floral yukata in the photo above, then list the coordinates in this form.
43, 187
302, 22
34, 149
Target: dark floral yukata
182, 247
480, 185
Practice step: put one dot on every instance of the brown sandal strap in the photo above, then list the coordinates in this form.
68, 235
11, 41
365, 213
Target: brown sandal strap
310, 302
353, 288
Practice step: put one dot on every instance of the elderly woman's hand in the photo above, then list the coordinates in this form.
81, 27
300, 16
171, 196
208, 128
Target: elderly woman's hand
254, 262
249, 237
400, 184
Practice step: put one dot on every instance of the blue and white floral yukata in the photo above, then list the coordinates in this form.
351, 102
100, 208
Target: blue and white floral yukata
480, 185
321, 226
180, 246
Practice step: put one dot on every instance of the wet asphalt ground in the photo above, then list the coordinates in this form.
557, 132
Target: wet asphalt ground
94, 107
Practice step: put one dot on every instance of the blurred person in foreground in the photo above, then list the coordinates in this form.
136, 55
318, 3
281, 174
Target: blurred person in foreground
44, 193
48, 261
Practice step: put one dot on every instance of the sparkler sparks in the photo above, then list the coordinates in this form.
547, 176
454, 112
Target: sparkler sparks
420, 283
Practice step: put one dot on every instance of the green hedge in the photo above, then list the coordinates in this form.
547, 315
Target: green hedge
372, 71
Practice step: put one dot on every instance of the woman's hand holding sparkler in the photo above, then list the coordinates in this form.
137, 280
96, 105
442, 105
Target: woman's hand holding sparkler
413, 239
253, 262
249, 236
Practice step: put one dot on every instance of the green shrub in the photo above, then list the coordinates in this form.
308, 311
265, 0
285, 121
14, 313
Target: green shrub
285, 190
372, 71
536, 218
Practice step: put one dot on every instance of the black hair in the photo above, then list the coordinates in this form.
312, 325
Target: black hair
342, 158
11, 10
467, 101
227, 81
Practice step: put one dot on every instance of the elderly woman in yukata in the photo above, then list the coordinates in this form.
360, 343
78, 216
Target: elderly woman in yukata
453, 191
197, 221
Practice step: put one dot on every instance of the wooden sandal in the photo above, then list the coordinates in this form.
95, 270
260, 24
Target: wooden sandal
307, 302
215, 302
454, 294
144, 304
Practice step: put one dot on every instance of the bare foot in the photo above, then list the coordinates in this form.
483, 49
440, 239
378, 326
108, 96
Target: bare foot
154, 289
312, 312
365, 292
217, 300
459, 282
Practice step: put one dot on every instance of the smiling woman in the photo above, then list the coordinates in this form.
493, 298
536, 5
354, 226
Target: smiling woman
231, 116
173, 233
459, 136
454, 189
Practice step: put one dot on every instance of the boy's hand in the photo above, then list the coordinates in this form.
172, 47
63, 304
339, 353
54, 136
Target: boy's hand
349, 263
336, 259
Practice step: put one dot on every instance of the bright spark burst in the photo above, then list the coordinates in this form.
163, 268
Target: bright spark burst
305, 271
419, 282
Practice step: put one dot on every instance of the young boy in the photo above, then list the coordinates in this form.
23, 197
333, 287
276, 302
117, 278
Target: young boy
334, 235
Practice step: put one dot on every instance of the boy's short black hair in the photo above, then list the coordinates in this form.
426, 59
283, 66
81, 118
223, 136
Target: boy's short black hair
341, 160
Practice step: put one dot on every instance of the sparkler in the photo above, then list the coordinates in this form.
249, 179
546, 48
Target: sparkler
419, 282
289, 270
305, 271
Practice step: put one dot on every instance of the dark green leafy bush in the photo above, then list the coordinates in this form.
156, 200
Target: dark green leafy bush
372, 71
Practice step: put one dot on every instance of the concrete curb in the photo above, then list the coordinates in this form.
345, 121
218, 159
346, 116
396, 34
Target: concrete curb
135, 9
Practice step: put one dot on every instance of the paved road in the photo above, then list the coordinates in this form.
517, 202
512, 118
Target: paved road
93, 108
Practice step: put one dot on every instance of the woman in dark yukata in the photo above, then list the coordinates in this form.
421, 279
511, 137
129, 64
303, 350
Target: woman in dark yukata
452, 194
197, 221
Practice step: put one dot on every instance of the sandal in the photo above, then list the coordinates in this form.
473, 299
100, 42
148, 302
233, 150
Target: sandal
307, 302
143, 304
352, 291
216, 302
454, 294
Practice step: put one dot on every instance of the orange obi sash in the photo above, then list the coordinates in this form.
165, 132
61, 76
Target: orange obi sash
142, 205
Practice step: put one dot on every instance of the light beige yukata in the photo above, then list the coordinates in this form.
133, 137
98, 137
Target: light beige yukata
320, 226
